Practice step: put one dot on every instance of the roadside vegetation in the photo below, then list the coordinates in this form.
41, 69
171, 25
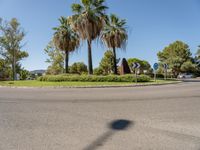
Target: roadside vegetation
94, 78
36, 83
89, 22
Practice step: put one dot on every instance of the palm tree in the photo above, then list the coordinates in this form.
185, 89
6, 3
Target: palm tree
66, 39
114, 35
89, 20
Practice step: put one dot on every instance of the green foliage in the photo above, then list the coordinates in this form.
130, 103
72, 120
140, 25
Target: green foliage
93, 78
188, 67
11, 37
66, 39
56, 59
175, 55
5, 70
88, 20
24, 74
114, 35
144, 65
197, 60
198, 53
98, 71
78, 68
107, 63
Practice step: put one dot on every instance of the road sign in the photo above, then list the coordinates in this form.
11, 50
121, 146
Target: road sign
136, 65
165, 66
155, 66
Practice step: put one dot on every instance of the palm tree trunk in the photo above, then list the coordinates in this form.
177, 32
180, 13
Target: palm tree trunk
115, 61
90, 67
66, 62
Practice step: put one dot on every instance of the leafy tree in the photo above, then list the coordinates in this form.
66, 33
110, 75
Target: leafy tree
175, 55
11, 37
144, 65
66, 39
78, 68
5, 69
107, 63
197, 59
98, 71
198, 53
114, 35
56, 59
89, 20
188, 66
24, 74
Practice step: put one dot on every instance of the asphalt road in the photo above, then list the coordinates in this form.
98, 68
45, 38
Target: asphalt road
138, 118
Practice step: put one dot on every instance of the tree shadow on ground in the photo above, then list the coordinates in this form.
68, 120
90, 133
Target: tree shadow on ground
114, 127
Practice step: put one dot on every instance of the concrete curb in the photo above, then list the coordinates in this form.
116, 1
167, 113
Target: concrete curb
101, 86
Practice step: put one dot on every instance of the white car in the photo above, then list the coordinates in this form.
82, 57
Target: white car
185, 76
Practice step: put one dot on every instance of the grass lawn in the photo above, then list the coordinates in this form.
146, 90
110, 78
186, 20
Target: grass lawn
35, 83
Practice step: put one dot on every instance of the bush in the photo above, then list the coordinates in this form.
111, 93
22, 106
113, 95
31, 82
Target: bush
93, 78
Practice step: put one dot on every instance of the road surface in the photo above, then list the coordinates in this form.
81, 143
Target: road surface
158, 118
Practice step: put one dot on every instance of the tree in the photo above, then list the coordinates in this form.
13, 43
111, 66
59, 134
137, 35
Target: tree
144, 65
66, 39
198, 53
197, 61
197, 58
24, 74
56, 59
188, 66
78, 68
11, 37
107, 63
88, 20
175, 55
114, 35
5, 69
98, 71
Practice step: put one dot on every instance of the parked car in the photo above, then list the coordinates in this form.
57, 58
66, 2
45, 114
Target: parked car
185, 76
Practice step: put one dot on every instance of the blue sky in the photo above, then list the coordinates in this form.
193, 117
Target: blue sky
153, 24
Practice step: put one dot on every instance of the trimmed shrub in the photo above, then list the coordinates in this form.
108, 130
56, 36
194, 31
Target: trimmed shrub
93, 78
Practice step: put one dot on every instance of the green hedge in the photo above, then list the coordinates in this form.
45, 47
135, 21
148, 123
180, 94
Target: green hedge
93, 78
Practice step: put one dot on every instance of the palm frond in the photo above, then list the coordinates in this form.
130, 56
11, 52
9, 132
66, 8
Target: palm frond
114, 33
76, 8
65, 38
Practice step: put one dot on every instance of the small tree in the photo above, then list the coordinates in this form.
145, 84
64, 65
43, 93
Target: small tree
11, 37
98, 71
175, 55
24, 74
107, 63
56, 59
78, 68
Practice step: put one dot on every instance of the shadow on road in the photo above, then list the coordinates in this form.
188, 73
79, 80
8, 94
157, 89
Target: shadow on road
114, 127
